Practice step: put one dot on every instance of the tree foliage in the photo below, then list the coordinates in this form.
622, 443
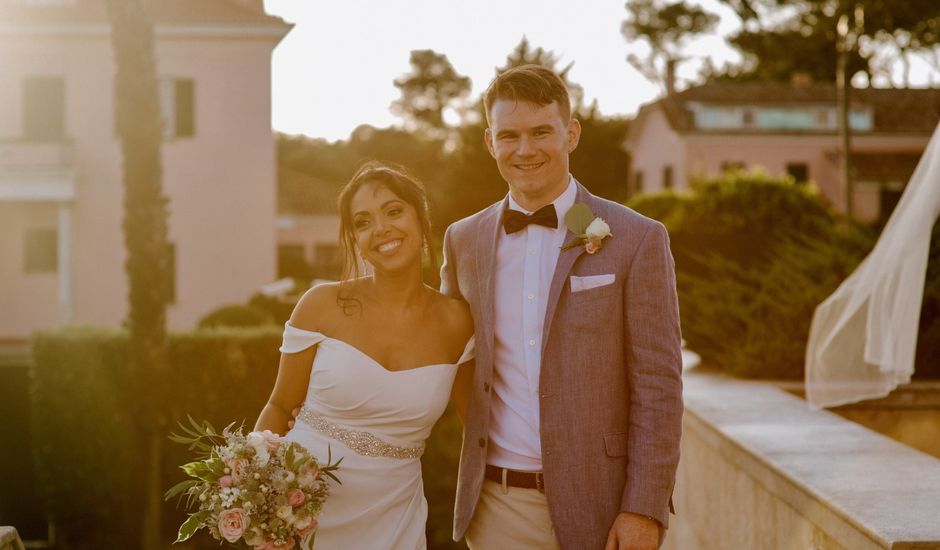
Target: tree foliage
805, 41
145, 234
665, 28
459, 173
428, 90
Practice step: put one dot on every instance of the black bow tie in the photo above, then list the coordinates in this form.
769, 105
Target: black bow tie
514, 220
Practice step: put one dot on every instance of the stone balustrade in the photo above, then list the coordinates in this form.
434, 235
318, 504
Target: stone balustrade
9, 539
760, 470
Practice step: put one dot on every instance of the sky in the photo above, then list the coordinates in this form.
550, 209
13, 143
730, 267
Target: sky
335, 69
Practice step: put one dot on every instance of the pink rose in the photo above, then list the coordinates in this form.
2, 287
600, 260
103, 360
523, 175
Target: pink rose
226, 481
232, 524
591, 248
295, 497
237, 465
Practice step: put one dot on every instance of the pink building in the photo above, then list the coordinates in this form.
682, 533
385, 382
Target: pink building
61, 242
307, 228
785, 129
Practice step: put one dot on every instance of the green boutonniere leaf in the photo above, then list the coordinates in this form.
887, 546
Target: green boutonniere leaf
578, 218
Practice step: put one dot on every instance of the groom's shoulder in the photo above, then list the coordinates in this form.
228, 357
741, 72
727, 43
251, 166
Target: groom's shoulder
471, 223
620, 216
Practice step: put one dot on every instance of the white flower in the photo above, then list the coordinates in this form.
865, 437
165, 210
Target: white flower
258, 443
598, 229
286, 513
302, 522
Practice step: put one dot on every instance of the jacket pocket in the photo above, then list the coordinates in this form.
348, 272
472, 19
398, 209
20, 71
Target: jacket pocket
616, 443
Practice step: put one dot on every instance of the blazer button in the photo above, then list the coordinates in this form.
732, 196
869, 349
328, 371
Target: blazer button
486, 386
482, 442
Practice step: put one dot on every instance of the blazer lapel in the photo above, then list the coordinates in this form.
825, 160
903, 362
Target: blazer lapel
487, 235
566, 260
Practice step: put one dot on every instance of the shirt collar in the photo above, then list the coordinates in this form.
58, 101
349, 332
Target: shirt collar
562, 204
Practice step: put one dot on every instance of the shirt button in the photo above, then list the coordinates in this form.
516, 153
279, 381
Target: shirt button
531, 296
482, 442
531, 252
531, 342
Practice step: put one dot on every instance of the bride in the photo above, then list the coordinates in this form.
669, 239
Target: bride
374, 359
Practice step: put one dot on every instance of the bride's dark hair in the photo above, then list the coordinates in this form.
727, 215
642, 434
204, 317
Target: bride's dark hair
399, 181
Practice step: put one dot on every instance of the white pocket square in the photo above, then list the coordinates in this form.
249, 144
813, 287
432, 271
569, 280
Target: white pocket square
592, 281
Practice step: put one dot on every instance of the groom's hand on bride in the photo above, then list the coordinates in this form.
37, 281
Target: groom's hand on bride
633, 532
293, 418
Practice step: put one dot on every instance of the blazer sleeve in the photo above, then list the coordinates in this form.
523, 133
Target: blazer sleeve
654, 369
449, 286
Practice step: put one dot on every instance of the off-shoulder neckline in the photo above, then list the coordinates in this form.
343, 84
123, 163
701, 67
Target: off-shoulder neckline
376, 363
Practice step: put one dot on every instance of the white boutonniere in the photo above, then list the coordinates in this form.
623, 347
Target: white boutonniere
588, 228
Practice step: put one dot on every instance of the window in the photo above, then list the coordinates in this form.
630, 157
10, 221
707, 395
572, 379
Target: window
177, 107
890, 195
799, 171
747, 118
44, 108
41, 251
327, 261
292, 262
667, 177
638, 182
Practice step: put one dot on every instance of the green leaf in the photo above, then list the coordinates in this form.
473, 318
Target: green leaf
289, 456
191, 525
180, 488
199, 469
578, 218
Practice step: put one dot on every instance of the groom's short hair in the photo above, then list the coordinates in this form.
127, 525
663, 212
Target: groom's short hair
532, 83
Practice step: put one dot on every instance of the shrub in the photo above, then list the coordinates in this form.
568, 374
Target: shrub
85, 447
236, 316
86, 450
754, 256
278, 310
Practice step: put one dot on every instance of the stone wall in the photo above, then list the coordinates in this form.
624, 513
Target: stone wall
759, 470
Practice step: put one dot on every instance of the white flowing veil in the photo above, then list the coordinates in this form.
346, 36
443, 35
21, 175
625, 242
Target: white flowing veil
863, 337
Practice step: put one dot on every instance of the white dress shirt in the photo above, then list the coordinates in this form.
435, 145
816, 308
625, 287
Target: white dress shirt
525, 264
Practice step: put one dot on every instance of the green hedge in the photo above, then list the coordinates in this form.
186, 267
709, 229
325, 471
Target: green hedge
87, 449
754, 256
236, 316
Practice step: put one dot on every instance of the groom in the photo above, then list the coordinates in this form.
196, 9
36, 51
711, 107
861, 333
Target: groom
572, 431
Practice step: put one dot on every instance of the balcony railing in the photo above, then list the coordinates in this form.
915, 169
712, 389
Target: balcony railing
36, 171
35, 155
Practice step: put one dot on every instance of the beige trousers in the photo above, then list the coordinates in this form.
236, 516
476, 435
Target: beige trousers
511, 518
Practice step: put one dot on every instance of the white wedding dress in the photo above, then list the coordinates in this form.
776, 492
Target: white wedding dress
376, 420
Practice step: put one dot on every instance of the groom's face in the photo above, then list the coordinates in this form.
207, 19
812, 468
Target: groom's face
531, 143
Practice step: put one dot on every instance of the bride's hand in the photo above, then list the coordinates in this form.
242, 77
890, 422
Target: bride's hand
293, 417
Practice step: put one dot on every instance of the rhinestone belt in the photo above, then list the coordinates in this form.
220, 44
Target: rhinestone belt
363, 443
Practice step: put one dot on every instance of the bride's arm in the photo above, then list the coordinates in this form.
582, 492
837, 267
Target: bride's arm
460, 393
293, 372
290, 389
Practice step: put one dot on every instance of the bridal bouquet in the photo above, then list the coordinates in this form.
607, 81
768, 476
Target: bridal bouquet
257, 487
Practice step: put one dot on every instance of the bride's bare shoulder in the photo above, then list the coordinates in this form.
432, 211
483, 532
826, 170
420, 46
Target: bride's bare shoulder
456, 316
315, 306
